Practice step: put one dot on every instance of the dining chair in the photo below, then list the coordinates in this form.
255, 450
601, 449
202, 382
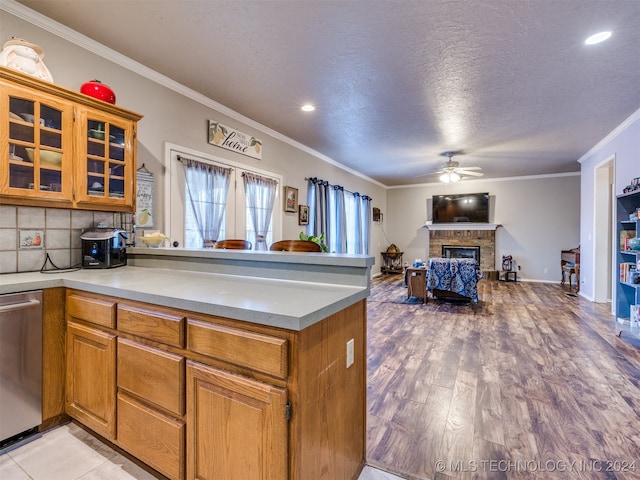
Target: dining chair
233, 244
569, 269
295, 246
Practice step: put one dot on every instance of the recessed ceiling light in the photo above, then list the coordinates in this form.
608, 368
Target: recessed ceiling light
307, 107
597, 38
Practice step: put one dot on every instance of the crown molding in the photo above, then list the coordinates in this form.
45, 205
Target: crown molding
614, 133
499, 179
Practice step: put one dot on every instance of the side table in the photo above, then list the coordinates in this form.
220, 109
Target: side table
509, 275
417, 283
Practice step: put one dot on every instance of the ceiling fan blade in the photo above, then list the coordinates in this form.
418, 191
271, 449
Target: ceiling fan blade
470, 168
471, 174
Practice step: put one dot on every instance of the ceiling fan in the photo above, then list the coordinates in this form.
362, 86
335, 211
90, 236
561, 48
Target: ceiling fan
451, 171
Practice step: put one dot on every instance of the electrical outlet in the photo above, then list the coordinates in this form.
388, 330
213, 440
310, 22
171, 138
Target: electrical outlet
350, 352
546, 270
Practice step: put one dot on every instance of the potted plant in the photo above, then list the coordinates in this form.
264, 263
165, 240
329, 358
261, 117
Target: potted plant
312, 238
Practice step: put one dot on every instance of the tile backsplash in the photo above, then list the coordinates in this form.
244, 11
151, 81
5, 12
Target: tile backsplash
59, 233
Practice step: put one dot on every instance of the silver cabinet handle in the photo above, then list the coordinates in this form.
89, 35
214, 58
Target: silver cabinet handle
19, 306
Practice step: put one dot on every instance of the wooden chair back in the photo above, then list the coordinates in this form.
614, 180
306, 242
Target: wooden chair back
233, 244
295, 246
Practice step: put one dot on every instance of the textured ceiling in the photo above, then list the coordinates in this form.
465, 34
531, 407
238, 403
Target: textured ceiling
396, 83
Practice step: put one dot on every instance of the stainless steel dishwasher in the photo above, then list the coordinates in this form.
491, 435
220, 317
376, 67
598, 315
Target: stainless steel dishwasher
20, 365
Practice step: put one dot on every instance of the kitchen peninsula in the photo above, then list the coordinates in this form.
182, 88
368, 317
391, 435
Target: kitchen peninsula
183, 351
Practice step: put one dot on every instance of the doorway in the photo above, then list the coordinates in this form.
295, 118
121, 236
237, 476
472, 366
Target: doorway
603, 231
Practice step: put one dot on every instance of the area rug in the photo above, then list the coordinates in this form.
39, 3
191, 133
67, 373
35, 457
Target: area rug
392, 289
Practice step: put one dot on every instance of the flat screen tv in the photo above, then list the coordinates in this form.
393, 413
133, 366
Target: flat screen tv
469, 207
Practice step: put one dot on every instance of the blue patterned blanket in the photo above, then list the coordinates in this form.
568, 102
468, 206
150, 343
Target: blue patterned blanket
458, 275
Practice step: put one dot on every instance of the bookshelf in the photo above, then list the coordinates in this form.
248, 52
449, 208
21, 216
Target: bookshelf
628, 263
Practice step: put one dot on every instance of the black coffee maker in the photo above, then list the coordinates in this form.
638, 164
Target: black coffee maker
104, 248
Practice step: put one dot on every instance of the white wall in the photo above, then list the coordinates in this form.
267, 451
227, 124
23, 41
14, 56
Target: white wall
540, 216
172, 117
624, 145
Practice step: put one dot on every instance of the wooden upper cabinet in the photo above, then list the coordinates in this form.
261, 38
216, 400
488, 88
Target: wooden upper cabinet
60, 148
37, 142
105, 173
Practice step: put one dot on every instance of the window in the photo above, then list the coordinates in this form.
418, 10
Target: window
236, 222
260, 194
206, 188
344, 217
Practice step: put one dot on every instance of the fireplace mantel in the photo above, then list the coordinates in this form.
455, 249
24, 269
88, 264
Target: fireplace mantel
462, 226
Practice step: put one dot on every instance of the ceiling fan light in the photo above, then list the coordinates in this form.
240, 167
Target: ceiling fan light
597, 38
454, 177
444, 178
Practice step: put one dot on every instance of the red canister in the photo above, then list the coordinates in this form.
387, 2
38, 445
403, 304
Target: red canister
97, 89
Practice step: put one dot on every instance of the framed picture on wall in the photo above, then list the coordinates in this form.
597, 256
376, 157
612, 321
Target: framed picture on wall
290, 199
303, 215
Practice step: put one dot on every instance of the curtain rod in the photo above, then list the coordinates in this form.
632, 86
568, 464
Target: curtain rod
318, 180
209, 162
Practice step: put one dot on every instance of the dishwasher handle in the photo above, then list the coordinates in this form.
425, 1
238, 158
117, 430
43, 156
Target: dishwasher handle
19, 306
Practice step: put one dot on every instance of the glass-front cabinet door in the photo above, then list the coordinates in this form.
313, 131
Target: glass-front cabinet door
105, 159
37, 152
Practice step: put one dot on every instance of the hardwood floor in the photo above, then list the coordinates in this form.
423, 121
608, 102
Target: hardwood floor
530, 383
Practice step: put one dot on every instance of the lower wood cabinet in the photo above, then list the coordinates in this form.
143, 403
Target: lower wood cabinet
199, 397
236, 427
155, 438
91, 378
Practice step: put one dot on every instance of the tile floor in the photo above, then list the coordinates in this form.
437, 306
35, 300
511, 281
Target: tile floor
70, 453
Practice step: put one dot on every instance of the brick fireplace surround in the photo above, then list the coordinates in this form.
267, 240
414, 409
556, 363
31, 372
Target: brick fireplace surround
460, 236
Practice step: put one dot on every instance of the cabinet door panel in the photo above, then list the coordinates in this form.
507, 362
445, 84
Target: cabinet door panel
154, 438
37, 155
105, 159
91, 379
236, 427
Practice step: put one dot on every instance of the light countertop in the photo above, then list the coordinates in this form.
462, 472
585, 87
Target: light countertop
290, 304
331, 268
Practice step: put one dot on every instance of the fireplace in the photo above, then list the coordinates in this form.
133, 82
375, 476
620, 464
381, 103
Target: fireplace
475, 236
461, 251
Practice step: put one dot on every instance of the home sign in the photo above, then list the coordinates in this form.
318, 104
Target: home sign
231, 139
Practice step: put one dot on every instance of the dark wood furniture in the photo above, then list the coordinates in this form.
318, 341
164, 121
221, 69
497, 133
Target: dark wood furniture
295, 246
233, 244
391, 262
509, 275
417, 283
570, 265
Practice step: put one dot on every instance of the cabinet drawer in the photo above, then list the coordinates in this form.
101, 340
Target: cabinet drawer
100, 312
152, 374
154, 438
256, 351
158, 326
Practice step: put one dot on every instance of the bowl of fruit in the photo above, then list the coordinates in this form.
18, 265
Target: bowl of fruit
153, 240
